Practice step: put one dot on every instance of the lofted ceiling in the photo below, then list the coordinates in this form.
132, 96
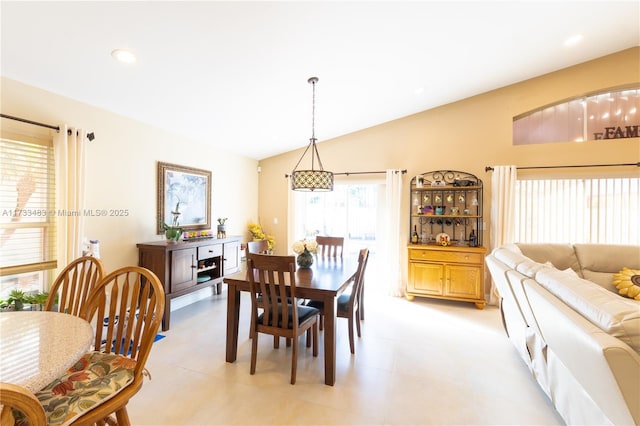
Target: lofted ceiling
234, 74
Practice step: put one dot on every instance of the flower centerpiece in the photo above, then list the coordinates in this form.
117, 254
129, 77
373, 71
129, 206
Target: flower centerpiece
174, 231
255, 229
303, 249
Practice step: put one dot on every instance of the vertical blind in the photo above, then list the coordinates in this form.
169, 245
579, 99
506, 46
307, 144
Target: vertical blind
595, 210
27, 205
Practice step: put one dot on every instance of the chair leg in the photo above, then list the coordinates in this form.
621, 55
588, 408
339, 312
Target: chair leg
315, 339
276, 342
254, 353
351, 342
123, 417
358, 322
321, 322
294, 361
308, 337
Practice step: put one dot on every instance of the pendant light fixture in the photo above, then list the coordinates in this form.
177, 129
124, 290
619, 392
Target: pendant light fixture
314, 179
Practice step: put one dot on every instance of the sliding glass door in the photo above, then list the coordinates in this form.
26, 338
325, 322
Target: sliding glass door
350, 210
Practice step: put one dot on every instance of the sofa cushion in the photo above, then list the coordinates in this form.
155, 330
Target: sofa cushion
510, 255
599, 262
615, 315
530, 268
562, 256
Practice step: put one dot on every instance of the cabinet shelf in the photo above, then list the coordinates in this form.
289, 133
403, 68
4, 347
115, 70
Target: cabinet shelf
444, 188
207, 268
447, 216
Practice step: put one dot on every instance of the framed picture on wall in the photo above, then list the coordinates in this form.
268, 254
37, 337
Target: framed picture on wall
183, 193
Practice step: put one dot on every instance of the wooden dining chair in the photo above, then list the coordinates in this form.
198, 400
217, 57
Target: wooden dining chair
348, 305
126, 310
273, 280
72, 286
20, 407
260, 247
330, 247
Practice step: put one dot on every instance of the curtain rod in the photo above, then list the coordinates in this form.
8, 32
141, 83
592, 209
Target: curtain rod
35, 123
91, 136
359, 173
367, 173
489, 168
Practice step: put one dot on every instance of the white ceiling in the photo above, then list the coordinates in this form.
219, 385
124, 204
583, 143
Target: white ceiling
234, 74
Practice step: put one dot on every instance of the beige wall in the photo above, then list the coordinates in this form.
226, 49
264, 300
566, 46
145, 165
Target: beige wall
466, 135
121, 170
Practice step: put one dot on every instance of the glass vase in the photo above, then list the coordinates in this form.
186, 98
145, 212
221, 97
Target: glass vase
305, 259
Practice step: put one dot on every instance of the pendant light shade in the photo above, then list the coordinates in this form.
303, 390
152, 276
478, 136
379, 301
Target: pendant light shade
314, 179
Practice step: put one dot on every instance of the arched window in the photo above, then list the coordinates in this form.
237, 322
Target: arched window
608, 115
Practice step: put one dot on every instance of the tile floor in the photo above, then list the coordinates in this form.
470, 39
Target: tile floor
426, 362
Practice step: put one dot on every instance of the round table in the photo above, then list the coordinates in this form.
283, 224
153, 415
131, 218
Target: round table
38, 346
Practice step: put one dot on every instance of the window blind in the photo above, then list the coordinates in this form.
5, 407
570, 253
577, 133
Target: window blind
589, 210
27, 205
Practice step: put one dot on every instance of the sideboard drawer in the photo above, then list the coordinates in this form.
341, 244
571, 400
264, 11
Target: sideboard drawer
212, 250
445, 256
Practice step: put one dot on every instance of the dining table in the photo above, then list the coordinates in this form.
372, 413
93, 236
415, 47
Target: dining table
36, 347
324, 281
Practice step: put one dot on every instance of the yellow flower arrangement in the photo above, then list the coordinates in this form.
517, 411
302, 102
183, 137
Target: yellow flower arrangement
255, 229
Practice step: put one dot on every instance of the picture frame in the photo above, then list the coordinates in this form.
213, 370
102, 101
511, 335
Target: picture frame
191, 188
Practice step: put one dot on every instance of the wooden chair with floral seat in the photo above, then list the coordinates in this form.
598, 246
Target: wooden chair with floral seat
348, 305
19, 407
273, 280
72, 286
125, 309
330, 247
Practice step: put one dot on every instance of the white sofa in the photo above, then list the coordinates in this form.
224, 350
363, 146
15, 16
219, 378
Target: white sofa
578, 336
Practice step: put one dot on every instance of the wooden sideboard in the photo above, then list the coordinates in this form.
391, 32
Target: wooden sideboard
450, 272
185, 267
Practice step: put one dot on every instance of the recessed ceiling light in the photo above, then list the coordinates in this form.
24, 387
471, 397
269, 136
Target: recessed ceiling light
124, 55
573, 40
418, 91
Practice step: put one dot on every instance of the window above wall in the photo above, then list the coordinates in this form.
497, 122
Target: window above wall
613, 114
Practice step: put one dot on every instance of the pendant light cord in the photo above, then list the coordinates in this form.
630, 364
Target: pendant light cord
313, 81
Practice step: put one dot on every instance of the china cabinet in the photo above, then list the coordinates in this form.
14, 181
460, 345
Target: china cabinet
445, 253
187, 266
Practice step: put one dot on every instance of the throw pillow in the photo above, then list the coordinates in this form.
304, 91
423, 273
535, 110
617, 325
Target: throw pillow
627, 281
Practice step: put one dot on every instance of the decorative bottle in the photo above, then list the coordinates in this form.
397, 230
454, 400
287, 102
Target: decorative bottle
472, 239
414, 236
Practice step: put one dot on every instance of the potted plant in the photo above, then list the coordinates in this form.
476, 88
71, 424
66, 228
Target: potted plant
174, 231
222, 228
16, 299
37, 300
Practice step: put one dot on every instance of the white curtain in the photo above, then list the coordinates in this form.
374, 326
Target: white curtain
503, 193
389, 246
69, 152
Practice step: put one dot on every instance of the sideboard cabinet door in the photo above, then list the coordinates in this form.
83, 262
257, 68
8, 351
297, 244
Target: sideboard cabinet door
183, 269
231, 257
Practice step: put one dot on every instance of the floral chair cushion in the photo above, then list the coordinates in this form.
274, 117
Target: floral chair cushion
94, 379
